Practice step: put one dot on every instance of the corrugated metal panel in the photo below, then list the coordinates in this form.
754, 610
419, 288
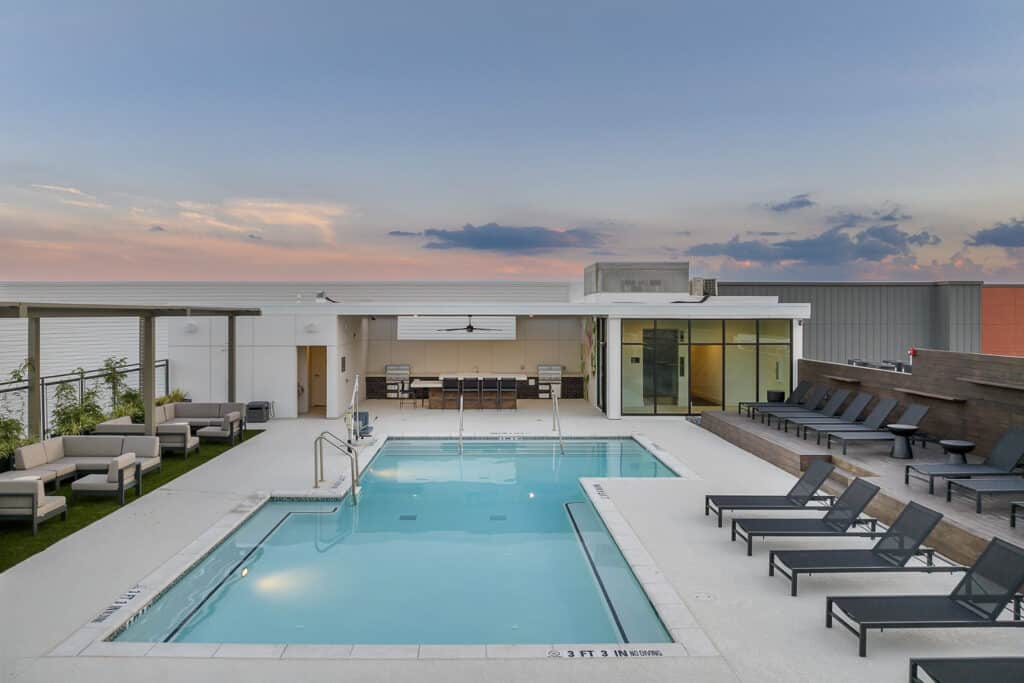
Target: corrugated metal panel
878, 321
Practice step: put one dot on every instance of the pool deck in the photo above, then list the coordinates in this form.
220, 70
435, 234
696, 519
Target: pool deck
757, 632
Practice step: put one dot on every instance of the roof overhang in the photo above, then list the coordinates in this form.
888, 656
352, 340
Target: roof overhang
713, 308
23, 309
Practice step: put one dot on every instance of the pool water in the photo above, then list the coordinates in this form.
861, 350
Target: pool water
497, 545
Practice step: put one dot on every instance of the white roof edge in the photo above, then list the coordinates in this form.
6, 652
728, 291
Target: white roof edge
716, 307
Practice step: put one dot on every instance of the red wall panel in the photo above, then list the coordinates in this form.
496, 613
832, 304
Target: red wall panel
1002, 320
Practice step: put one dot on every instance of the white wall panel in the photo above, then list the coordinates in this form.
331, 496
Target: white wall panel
276, 378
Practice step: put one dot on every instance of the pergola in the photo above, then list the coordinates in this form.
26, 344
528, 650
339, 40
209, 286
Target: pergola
147, 316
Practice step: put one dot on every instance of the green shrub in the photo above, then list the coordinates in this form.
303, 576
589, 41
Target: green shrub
174, 396
74, 414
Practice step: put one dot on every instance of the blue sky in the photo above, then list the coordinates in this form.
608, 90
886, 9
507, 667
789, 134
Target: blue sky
788, 140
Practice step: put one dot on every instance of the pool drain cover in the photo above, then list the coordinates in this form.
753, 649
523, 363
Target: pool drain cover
407, 518
498, 518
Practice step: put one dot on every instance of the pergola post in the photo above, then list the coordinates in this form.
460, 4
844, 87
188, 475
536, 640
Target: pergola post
231, 358
35, 403
147, 369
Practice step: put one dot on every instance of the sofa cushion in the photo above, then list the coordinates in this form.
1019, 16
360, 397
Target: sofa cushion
54, 449
123, 420
87, 464
142, 446
164, 413
50, 504
24, 487
190, 410
125, 461
92, 446
93, 482
61, 468
149, 464
226, 408
120, 428
29, 456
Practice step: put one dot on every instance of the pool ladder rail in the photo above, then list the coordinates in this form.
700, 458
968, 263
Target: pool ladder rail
343, 447
462, 411
556, 420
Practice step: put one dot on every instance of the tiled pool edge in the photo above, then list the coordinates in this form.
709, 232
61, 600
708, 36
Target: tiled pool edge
689, 640
674, 614
93, 638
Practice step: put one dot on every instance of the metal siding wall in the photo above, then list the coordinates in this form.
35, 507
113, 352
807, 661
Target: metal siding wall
873, 322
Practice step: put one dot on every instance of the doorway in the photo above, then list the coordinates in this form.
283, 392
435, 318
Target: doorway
312, 379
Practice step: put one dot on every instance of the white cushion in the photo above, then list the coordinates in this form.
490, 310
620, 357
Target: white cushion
93, 482
24, 487
29, 456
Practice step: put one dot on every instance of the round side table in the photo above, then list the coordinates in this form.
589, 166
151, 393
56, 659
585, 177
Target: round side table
901, 449
957, 450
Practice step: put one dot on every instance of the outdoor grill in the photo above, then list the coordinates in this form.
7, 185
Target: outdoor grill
397, 379
549, 379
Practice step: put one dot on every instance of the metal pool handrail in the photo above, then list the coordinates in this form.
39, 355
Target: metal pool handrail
556, 420
354, 408
461, 414
340, 443
318, 462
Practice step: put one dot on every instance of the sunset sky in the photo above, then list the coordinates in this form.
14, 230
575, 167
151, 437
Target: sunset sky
510, 140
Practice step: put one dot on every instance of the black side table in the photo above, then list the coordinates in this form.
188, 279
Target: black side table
901, 449
957, 450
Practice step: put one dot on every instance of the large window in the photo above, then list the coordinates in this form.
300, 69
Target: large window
672, 367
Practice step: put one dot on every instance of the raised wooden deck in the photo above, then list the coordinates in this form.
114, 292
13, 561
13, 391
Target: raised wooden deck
961, 535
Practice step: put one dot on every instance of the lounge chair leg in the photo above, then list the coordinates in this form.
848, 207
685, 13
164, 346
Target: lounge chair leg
977, 504
771, 563
734, 530
750, 545
719, 518
828, 612
931, 485
792, 584
707, 505
906, 475
862, 639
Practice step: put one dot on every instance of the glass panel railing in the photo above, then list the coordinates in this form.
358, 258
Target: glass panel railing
628, 603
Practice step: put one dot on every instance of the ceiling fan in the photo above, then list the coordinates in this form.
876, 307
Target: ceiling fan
470, 328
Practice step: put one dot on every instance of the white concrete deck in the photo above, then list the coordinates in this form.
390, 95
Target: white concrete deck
761, 633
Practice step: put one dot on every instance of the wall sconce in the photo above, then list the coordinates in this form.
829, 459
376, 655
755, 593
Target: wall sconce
191, 327
311, 328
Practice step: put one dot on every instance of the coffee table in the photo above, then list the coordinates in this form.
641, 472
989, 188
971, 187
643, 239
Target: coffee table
957, 450
901, 449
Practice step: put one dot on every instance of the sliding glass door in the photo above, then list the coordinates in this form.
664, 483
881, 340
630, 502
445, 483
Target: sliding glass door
673, 367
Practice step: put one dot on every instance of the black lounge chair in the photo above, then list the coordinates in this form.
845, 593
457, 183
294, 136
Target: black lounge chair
836, 522
913, 415
812, 399
848, 416
1002, 461
794, 398
976, 602
802, 493
967, 670
878, 416
830, 409
900, 542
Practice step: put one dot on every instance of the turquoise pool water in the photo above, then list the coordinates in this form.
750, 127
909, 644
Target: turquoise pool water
498, 545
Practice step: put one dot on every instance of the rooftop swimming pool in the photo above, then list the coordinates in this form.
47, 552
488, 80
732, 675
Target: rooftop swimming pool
496, 545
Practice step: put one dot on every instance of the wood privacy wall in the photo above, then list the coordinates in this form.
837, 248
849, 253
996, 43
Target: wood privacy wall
969, 395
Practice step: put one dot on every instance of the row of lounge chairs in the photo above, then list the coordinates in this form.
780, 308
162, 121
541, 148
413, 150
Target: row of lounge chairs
985, 590
801, 410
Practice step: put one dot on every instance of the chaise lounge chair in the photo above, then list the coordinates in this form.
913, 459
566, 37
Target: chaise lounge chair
872, 423
836, 522
794, 398
913, 415
830, 409
848, 416
967, 670
976, 602
812, 399
802, 493
900, 542
1002, 461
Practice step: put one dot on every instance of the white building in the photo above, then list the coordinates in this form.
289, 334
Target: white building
629, 338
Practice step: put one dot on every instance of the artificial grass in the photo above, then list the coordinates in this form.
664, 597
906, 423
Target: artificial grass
17, 542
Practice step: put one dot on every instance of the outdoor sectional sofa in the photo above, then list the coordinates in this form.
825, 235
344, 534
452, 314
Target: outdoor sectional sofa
176, 422
24, 498
69, 457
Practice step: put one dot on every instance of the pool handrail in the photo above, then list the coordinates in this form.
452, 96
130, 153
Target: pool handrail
343, 448
556, 420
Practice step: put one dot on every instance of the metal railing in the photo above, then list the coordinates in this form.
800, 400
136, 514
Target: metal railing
9, 391
461, 414
353, 407
556, 420
342, 447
